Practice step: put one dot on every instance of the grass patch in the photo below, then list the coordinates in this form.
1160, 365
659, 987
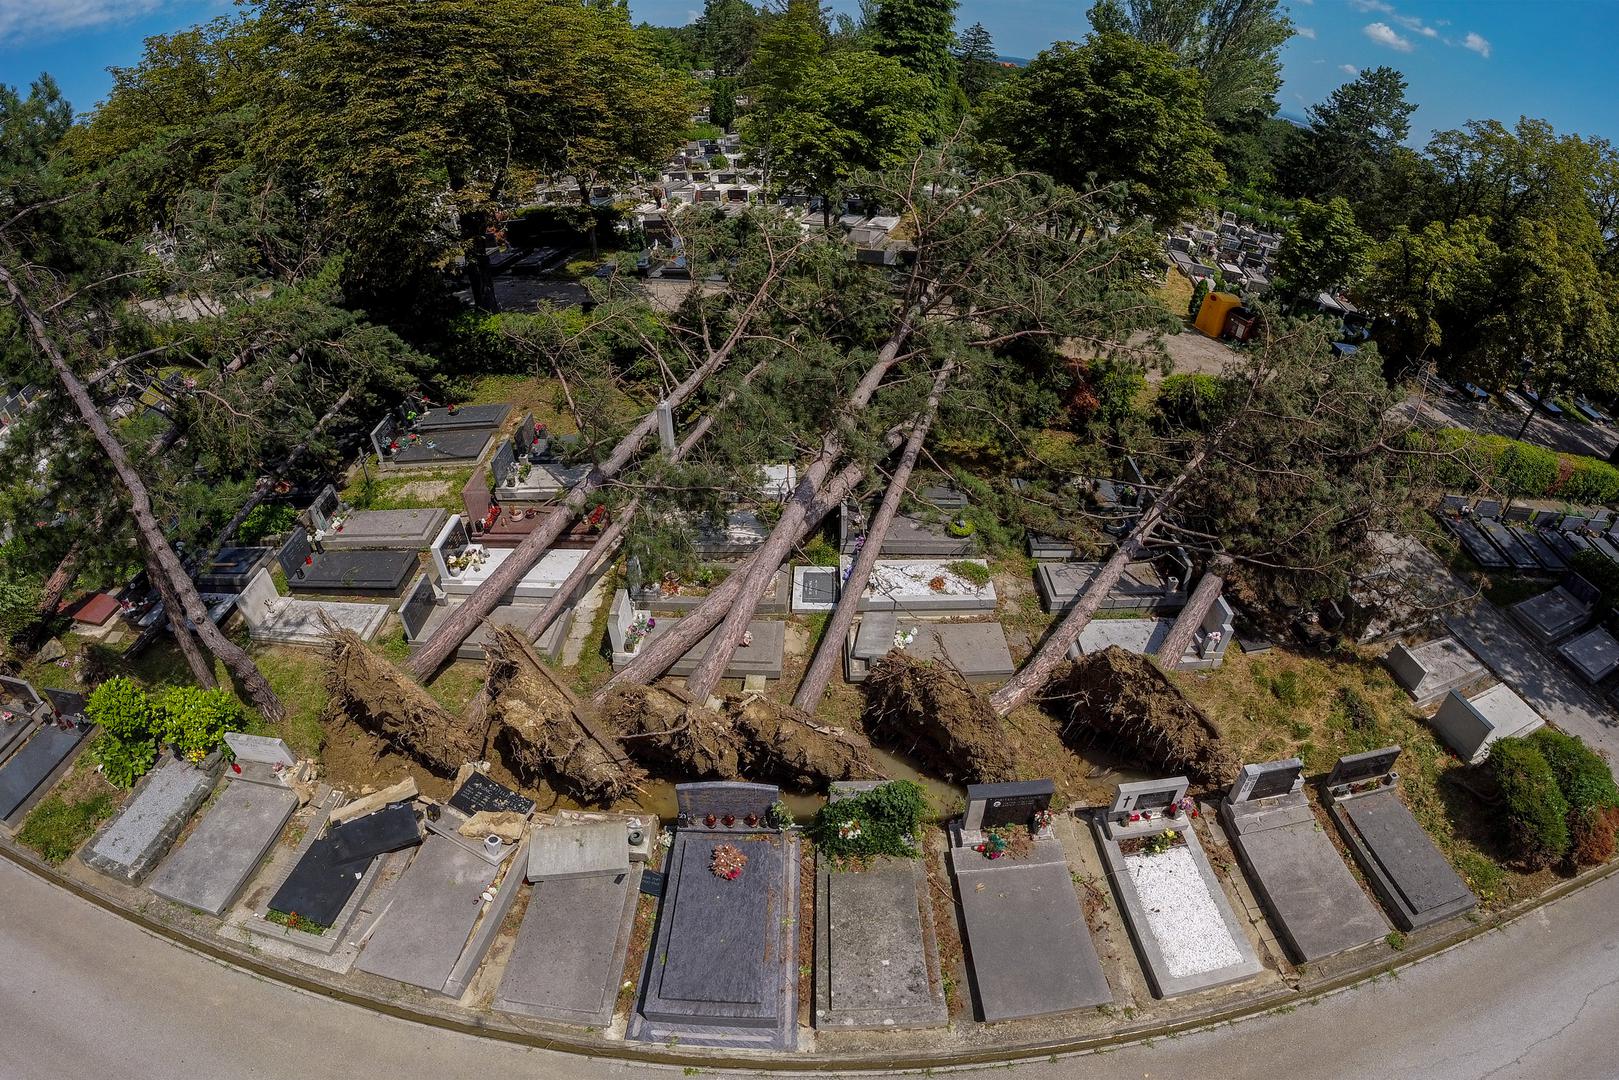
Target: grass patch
436, 489
292, 921
56, 827
526, 394
1175, 293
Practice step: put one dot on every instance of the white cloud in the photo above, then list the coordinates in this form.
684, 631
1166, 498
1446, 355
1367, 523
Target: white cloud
1349, 69
1416, 25
1372, 5
24, 19
1384, 34
1306, 3
1307, 32
1477, 44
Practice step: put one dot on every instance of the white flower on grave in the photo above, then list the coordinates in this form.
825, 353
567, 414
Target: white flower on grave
849, 830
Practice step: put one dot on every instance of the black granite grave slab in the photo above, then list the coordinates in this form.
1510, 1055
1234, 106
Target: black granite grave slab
454, 447
1413, 878
482, 793
13, 729
231, 569
320, 885
1544, 553
1477, 544
389, 829
28, 768
467, 416
346, 571
1507, 543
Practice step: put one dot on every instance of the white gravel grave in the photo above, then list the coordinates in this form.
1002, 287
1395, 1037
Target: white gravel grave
1181, 914
914, 578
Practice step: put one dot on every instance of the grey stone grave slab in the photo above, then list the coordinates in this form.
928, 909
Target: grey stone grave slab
481, 793
1430, 671
406, 530
724, 966
978, 650
389, 829
1140, 587
1551, 615
1470, 725
23, 776
1594, 654
209, 870
874, 941
259, 748
581, 849
1029, 951
1413, 879
815, 588
431, 912
1317, 905
129, 845
777, 598
286, 620
1044, 547
569, 954
515, 615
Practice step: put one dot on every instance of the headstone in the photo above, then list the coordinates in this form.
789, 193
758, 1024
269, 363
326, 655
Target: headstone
295, 554
68, 704
418, 608
1360, 768
1267, 781
1470, 726
481, 793
721, 799
364, 838
323, 511
990, 806
578, 850
259, 748
1148, 802
666, 426
503, 464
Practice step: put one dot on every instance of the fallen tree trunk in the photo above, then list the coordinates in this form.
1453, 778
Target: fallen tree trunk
1191, 616
830, 651
659, 655
609, 539
544, 734
930, 712
202, 671
706, 676
454, 630
150, 532
372, 693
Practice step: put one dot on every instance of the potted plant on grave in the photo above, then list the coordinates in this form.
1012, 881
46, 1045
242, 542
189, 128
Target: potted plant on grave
638, 630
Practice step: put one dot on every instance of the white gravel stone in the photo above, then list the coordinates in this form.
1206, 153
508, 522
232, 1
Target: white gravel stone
1181, 915
913, 577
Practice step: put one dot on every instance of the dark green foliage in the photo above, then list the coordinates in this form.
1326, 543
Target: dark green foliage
1582, 774
1509, 467
778, 816
1534, 817
194, 721
121, 708
978, 67
55, 828
883, 821
266, 519
1600, 571
1188, 402
125, 760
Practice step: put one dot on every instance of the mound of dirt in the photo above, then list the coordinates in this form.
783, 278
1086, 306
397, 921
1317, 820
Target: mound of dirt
667, 731
928, 710
1123, 702
542, 731
369, 691
787, 746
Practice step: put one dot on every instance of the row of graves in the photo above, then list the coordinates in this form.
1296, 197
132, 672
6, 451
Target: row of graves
420, 434
1458, 694
482, 897
40, 735
1526, 541
1241, 253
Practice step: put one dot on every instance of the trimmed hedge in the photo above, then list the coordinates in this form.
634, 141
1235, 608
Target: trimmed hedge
1582, 776
1535, 821
1519, 468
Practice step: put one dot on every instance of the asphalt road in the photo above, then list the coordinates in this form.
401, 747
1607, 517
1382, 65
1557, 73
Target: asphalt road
84, 994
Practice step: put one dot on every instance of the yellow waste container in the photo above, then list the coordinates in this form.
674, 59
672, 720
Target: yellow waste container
1211, 316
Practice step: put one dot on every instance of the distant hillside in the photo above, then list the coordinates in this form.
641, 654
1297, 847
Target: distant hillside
1015, 61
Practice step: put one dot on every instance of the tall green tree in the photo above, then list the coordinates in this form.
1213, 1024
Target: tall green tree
1236, 45
1322, 249
978, 66
920, 35
1351, 138
1110, 111
728, 31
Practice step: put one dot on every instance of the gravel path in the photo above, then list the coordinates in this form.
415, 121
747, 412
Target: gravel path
1181, 914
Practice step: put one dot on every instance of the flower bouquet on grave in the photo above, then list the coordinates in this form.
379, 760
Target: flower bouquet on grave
993, 846
849, 830
727, 862
1041, 823
637, 632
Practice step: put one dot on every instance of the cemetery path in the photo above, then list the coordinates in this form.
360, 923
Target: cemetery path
92, 995
1553, 689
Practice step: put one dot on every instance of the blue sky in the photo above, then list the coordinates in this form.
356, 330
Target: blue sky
1554, 59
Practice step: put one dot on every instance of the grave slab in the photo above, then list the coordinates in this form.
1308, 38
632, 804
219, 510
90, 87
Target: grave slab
209, 870
515, 615
431, 913
232, 568
320, 885
440, 418
405, 530
541, 582
1141, 587
1414, 880
908, 586
583, 849
1470, 725
977, 649
569, 954
1430, 671
24, 775
741, 534
389, 829
908, 536
1029, 950
371, 571
129, 845
723, 969
775, 600
286, 620
1594, 654
763, 656
1551, 615
815, 588
437, 449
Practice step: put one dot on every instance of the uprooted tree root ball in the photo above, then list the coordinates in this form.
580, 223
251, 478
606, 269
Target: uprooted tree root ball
663, 727
1123, 703
928, 710
542, 732
787, 746
373, 694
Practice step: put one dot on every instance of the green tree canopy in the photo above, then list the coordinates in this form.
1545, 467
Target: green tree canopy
1322, 249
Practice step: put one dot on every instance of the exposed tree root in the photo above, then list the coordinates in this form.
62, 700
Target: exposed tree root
369, 691
928, 710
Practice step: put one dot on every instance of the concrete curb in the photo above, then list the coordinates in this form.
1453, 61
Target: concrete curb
805, 1063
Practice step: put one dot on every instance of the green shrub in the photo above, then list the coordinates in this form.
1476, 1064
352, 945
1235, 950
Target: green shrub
1590, 481
882, 821
121, 708
1187, 401
124, 761
977, 573
194, 720
1601, 571
266, 519
1582, 776
1535, 820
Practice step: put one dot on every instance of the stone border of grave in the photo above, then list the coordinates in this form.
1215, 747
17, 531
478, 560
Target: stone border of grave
444, 1017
